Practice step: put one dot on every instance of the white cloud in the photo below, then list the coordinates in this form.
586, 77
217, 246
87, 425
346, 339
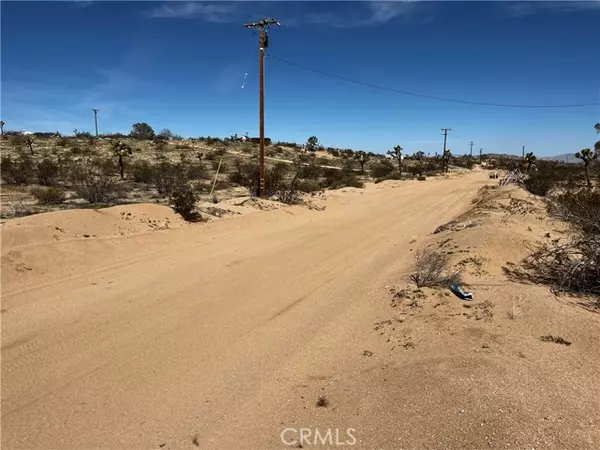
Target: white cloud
222, 12
522, 9
339, 15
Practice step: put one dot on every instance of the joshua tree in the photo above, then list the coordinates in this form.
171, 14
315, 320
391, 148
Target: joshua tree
396, 153
530, 159
419, 156
312, 143
1, 127
362, 157
120, 149
597, 127
28, 140
446, 159
587, 156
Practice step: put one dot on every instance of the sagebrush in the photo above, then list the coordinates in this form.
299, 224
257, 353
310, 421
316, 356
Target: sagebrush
432, 269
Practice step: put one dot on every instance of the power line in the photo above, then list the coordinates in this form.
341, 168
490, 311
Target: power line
431, 97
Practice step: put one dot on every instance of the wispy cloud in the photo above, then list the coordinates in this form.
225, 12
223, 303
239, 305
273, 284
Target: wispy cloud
82, 3
361, 14
513, 9
333, 14
221, 12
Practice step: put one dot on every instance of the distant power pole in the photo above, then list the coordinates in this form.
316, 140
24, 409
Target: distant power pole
523, 152
96, 119
471, 145
445, 130
263, 42
480, 155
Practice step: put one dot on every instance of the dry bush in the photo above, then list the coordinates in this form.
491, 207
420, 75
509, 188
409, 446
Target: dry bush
432, 270
47, 172
48, 195
572, 265
94, 186
289, 195
19, 171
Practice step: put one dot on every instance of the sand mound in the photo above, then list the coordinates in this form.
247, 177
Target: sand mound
115, 221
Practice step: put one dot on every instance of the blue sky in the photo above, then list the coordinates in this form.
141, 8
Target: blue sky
181, 65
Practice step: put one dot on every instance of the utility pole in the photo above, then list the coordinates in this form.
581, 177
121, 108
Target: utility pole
445, 130
480, 155
96, 119
263, 42
444, 162
523, 152
471, 145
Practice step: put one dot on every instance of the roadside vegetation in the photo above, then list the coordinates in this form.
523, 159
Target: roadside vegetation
48, 171
572, 195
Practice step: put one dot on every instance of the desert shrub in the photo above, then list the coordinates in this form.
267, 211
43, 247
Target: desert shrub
391, 176
290, 195
141, 131
464, 161
349, 165
287, 144
106, 166
539, 183
62, 141
570, 264
308, 186
382, 168
98, 189
211, 140
167, 177
422, 178
184, 202
248, 175
160, 145
197, 171
579, 207
44, 134
142, 172
48, 195
415, 170
432, 270
19, 171
310, 171
336, 179
18, 141
47, 172
183, 146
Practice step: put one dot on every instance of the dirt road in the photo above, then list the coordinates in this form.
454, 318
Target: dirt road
222, 335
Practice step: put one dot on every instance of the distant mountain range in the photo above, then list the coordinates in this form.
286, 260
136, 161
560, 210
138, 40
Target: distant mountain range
568, 158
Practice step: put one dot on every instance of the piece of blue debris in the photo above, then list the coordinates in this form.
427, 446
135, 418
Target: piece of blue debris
460, 293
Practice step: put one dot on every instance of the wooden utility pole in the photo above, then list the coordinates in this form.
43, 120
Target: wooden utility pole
263, 42
523, 152
471, 145
96, 119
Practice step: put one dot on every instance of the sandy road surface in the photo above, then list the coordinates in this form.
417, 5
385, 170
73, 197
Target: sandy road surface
219, 334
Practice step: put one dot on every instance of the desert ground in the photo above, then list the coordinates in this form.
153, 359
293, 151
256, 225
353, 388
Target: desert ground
127, 327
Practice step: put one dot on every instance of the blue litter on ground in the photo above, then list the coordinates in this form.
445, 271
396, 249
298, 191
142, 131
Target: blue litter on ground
460, 293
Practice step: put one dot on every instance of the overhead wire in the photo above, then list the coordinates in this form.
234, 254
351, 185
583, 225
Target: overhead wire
430, 97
